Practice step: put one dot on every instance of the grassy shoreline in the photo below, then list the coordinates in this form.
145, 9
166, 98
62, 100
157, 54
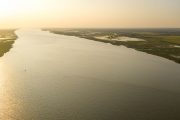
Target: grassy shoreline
7, 39
161, 42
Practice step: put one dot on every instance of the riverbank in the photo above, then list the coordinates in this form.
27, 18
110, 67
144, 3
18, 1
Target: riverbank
7, 38
160, 42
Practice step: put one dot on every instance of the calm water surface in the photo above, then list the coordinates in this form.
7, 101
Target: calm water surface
55, 77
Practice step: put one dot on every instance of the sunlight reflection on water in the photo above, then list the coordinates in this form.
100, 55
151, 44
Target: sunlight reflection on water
47, 77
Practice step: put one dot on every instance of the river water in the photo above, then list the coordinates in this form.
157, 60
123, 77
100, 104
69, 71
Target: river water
46, 76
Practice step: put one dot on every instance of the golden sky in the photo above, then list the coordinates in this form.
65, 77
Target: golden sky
89, 13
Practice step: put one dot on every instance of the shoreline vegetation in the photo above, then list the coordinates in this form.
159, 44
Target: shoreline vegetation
7, 39
161, 42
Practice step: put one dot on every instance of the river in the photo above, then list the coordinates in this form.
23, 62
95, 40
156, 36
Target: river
46, 76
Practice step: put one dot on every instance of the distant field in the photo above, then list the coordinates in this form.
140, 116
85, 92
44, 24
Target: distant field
7, 34
160, 42
171, 39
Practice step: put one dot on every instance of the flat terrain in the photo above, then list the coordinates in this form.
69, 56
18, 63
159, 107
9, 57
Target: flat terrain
7, 38
160, 42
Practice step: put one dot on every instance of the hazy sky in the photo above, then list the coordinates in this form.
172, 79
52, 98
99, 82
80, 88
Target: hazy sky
89, 13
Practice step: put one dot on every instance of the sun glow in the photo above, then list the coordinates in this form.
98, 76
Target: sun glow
13, 8
89, 13
6, 9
